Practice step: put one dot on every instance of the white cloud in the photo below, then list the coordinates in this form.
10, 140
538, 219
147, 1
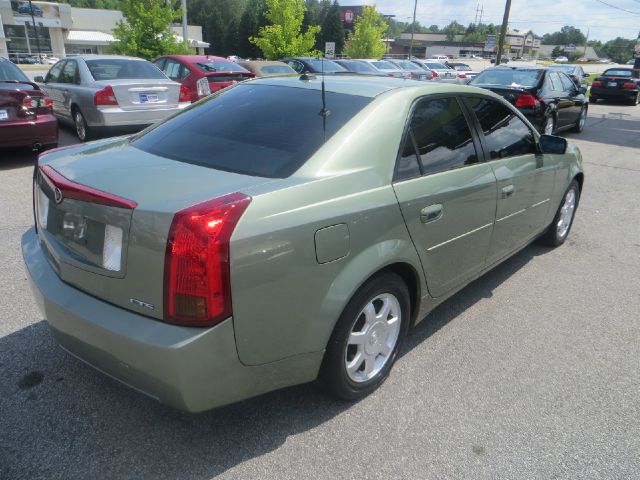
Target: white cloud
542, 16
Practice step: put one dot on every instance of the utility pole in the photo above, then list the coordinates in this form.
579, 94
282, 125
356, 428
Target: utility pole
35, 31
185, 28
503, 31
413, 27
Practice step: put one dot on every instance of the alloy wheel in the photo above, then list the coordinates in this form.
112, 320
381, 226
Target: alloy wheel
81, 129
583, 119
373, 338
549, 126
566, 213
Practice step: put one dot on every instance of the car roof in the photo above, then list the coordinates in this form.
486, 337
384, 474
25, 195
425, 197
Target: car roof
196, 58
365, 85
261, 63
103, 57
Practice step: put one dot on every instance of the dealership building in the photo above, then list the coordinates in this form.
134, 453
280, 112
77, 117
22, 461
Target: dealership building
62, 30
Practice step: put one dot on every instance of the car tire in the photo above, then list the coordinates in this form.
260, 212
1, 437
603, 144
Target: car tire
558, 231
549, 125
582, 119
636, 100
83, 132
593, 99
363, 347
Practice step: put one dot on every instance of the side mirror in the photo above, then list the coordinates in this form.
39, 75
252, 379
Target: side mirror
553, 144
583, 90
38, 79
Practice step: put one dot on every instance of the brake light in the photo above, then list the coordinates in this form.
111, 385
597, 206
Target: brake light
526, 100
106, 96
185, 94
596, 83
462, 75
435, 74
197, 285
27, 102
629, 85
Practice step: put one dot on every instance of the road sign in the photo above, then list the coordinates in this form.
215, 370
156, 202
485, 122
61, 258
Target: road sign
570, 48
329, 49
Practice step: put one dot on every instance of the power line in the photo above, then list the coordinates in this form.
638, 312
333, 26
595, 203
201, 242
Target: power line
617, 8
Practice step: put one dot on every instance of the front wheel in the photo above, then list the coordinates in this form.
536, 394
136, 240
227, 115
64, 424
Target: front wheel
367, 337
559, 229
549, 125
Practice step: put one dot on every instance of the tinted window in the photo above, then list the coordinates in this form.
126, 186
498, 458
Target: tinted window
505, 134
406, 65
297, 66
276, 70
442, 136
359, 67
220, 66
123, 69
384, 65
259, 130
8, 71
318, 64
69, 72
508, 77
567, 83
436, 66
408, 166
54, 73
617, 72
556, 83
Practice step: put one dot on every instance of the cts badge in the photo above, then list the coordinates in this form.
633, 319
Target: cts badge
140, 303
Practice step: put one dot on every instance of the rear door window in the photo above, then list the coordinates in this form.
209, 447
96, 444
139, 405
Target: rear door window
506, 135
258, 130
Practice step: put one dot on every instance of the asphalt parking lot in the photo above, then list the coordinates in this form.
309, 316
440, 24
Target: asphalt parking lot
531, 372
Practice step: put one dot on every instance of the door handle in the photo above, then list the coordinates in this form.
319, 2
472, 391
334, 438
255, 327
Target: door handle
508, 191
431, 213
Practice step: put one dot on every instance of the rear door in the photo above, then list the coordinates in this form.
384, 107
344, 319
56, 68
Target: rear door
525, 179
446, 194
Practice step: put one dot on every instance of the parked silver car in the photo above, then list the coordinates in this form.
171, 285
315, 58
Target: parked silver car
98, 92
386, 68
440, 71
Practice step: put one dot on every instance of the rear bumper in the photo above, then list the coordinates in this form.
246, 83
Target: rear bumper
43, 131
117, 117
192, 369
599, 92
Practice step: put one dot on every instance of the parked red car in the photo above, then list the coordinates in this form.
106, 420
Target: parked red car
202, 74
26, 117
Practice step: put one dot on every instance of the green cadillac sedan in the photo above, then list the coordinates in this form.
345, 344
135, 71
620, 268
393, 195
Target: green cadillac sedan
286, 230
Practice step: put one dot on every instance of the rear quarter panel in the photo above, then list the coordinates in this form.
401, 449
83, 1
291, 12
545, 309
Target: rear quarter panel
284, 301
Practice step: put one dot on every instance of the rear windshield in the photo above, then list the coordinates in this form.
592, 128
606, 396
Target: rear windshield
359, 67
220, 66
123, 69
384, 65
277, 70
507, 77
329, 67
563, 68
617, 72
8, 71
258, 130
461, 68
436, 66
407, 65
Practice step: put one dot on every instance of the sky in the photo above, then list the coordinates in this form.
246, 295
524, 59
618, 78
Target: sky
541, 16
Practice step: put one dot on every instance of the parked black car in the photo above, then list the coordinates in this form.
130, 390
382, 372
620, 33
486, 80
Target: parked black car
549, 99
313, 65
358, 66
575, 72
616, 83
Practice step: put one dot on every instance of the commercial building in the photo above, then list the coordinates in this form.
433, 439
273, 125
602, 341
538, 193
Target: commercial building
62, 30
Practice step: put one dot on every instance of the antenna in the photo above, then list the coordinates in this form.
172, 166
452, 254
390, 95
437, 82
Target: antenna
324, 112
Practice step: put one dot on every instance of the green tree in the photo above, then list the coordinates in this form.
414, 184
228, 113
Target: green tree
565, 36
284, 37
145, 32
332, 28
368, 32
453, 29
251, 20
216, 18
619, 49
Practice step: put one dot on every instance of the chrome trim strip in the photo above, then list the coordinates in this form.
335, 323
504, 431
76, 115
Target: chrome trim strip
540, 203
512, 215
459, 237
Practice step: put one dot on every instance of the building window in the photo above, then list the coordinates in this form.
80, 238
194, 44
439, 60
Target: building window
19, 42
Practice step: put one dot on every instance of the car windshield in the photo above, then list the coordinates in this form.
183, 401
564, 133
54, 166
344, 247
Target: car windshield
407, 65
382, 65
508, 77
258, 130
277, 70
326, 66
8, 71
220, 66
123, 69
617, 72
436, 66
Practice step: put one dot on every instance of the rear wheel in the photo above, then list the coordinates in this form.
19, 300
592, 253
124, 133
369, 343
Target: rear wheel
559, 229
582, 119
83, 131
366, 340
635, 100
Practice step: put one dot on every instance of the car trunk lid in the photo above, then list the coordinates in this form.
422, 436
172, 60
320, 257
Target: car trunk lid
105, 231
144, 94
19, 101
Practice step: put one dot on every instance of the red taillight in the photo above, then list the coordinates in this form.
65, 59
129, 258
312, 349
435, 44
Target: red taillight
526, 100
106, 96
27, 102
185, 94
596, 83
462, 75
197, 286
48, 103
629, 85
435, 74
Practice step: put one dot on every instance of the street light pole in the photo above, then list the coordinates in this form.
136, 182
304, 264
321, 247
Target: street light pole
35, 31
185, 28
503, 31
413, 27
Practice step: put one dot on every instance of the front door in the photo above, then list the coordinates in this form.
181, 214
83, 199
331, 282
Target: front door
525, 178
54, 89
446, 194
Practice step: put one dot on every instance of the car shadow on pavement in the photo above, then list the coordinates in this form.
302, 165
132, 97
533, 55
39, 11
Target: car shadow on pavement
611, 128
13, 158
61, 419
